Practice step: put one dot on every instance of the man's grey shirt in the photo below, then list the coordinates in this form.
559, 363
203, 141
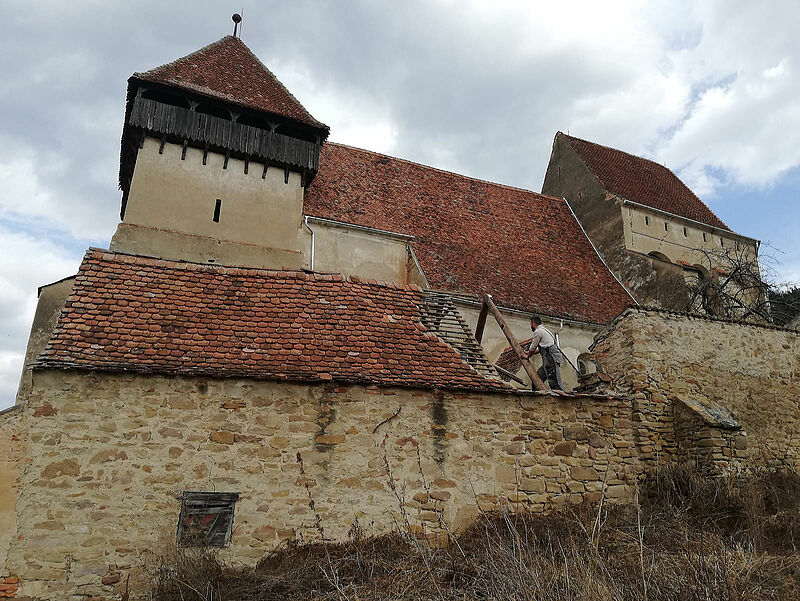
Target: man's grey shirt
541, 337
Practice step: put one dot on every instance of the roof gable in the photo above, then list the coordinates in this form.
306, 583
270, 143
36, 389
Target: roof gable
472, 236
130, 313
228, 70
642, 180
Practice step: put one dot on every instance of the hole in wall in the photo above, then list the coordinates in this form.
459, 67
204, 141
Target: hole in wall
217, 209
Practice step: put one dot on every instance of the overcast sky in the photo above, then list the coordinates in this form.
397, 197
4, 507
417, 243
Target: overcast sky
710, 89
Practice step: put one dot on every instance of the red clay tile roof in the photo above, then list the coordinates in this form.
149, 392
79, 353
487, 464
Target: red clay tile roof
643, 181
525, 249
509, 360
227, 69
129, 313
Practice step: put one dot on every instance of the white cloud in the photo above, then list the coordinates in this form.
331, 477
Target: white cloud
26, 262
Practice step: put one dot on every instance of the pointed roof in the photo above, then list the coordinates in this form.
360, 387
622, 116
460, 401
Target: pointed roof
643, 181
228, 70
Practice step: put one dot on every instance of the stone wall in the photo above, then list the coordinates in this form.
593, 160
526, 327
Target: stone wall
111, 456
742, 381
12, 455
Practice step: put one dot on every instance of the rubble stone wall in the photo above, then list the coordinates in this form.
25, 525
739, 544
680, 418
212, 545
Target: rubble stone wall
12, 460
668, 362
111, 456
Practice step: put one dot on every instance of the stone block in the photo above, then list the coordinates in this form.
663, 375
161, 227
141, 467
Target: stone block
222, 437
584, 473
532, 485
515, 448
565, 449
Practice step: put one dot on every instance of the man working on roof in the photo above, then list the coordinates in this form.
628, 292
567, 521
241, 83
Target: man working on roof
544, 343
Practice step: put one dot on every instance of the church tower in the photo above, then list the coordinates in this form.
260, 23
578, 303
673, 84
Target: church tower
215, 156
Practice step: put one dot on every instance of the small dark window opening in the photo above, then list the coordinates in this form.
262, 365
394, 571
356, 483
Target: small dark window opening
685, 233
704, 236
646, 220
666, 226
721, 243
206, 519
217, 209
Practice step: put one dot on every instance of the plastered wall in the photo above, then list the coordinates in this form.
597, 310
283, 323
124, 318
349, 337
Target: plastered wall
352, 251
679, 240
169, 194
48, 308
112, 454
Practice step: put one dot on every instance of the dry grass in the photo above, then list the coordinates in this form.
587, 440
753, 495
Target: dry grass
689, 538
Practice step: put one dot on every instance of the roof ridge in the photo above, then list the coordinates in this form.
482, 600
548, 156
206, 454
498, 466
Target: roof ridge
640, 158
181, 59
95, 253
445, 171
278, 81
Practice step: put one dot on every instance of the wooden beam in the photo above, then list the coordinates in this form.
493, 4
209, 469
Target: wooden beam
526, 364
481, 322
508, 374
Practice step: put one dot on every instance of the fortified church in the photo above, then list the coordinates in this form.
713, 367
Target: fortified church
280, 319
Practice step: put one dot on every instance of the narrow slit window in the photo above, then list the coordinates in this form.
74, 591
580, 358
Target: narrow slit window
206, 519
685, 233
666, 226
704, 236
721, 242
217, 209
646, 220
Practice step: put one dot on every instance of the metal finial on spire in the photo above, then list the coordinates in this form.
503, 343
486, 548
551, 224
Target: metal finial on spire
236, 18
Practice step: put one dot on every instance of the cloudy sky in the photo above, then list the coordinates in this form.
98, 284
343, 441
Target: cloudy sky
710, 89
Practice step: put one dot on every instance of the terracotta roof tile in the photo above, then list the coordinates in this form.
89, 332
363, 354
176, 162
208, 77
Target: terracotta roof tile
643, 181
227, 69
472, 236
145, 315
509, 360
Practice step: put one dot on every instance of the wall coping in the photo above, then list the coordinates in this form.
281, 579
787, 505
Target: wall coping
651, 309
511, 392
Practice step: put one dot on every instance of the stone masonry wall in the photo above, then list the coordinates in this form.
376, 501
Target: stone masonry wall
12, 459
112, 454
669, 362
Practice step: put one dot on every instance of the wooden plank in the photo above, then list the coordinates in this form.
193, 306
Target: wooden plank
526, 364
508, 374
